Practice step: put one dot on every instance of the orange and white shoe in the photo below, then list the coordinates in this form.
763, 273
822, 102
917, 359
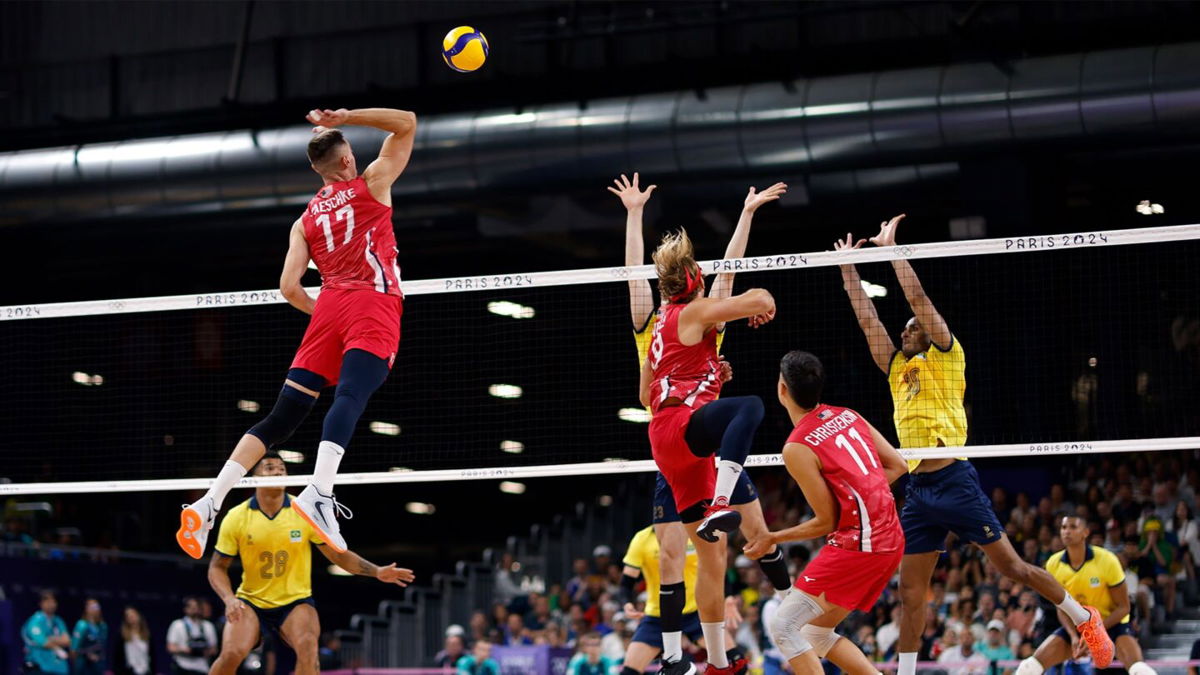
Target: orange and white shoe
1096, 637
321, 512
195, 522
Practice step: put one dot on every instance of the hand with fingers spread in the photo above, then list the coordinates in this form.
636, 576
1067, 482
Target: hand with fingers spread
887, 232
756, 199
327, 119
631, 194
390, 574
848, 245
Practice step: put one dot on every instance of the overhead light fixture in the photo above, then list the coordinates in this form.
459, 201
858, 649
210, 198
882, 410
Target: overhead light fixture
420, 508
873, 290
400, 469
615, 459
291, 456
513, 447
637, 415
505, 391
606, 500
512, 310
248, 406
512, 487
87, 380
1145, 208
385, 428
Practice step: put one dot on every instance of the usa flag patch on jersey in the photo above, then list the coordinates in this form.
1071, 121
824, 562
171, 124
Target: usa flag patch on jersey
824, 414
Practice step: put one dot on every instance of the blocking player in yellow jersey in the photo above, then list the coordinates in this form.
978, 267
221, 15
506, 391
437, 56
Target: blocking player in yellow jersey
1095, 577
668, 528
927, 376
641, 560
274, 545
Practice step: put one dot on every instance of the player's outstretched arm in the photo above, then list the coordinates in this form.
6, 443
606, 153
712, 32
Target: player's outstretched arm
633, 198
356, 564
921, 305
393, 154
878, 339
294, 266
894, 465
756, 304
736, 248
805, 469
218, 578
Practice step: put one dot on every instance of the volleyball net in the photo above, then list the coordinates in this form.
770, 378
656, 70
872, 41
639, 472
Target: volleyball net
1072, 343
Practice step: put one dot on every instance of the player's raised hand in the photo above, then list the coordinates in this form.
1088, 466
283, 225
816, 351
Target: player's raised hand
725, 369
234, 610
848, 245
760, 319
887, 232
390, 574
631, 612
631, 194
757, 199
327, 119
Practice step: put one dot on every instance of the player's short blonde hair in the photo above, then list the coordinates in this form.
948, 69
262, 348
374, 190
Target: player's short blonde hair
675, 263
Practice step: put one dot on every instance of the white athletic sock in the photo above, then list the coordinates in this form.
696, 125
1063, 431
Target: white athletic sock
230, 474
1073, 609
714, 643
329, 455
908, 663
672, 646
727, 478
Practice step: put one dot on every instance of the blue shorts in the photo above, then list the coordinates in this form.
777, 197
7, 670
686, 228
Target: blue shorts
1114, 632
271, 620
664, 499
649, 630
947, 500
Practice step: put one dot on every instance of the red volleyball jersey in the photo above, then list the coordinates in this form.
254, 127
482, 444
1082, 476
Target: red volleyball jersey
850, 465
350, 238
689, 373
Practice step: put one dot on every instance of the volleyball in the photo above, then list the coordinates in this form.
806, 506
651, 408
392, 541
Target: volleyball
464, 49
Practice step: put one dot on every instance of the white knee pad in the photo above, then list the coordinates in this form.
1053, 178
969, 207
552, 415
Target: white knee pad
821, 639
1030, 666
787, 626
1140, 668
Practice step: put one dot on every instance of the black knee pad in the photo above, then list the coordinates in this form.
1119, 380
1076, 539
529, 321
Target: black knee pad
290, 409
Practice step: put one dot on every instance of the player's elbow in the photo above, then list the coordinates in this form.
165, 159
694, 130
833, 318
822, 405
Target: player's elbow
760, 301
405, 122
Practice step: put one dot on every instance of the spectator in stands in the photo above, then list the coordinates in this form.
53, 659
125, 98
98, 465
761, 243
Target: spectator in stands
1025, 618
1155, 557
329, 654
453, 648
191, 641
133, 656
1113, 541
888, 633
540, 615
588, 660
508, 588
577, 585
515, 632
1194, 656
962, 659
46, 638
479, 661
614, 645
14, 532
478, 626
552, 636
89, 641
993, 644
1187, 534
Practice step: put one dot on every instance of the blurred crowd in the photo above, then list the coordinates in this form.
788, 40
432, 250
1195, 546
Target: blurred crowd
1141, 507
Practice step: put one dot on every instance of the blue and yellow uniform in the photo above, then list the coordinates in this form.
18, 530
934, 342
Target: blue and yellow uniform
276, 556
664, 501
1091, 584
643, 554
927, 394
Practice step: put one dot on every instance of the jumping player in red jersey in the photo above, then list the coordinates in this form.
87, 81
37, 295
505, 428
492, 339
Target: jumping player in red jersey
680, 382
845, 468
354, 332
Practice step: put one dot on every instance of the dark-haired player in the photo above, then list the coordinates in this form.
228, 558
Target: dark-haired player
928, 379
274, 545
844, 467
354, 332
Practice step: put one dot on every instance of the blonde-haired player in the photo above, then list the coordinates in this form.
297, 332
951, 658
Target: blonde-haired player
274, 545
669, 531
1095, 577
927, 376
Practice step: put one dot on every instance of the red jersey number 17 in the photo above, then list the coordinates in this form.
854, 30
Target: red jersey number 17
346, 213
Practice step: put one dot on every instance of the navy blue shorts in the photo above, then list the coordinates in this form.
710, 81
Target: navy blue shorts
1114, 632
649, 630
947, 500
664, 499
271, 620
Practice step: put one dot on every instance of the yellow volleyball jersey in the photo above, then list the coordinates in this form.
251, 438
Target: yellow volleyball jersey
275, 552
1090, 584
643, 554
927, 394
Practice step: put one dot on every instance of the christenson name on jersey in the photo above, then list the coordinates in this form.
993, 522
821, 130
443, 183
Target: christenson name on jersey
350, 238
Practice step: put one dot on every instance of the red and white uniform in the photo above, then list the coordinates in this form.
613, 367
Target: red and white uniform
350, 239
864, 549
690, 374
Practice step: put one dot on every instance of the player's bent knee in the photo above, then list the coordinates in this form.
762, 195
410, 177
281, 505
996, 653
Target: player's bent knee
1140, 668
1030, 666
821, 639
